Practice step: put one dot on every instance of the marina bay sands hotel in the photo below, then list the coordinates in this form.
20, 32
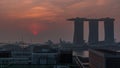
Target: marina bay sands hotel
93, 30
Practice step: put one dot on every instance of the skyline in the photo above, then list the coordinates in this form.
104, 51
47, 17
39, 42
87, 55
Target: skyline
46, 20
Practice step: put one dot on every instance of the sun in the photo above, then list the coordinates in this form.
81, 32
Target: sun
35, 33
36, 28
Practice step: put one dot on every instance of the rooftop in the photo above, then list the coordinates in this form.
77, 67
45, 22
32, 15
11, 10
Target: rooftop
44, 49
107, 52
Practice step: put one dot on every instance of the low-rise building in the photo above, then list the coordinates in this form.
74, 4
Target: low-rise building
104, 58
44, 55
6, 58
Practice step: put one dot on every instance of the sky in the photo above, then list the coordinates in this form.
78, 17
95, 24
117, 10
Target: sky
42, 20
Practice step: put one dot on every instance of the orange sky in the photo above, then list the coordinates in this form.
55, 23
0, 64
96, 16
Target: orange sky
47, 18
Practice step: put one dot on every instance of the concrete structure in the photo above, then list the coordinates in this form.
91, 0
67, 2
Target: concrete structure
21, 54
11, 60
109, 30
40, 55
44, 55
78, 30
93, 31
103, 58
6, 57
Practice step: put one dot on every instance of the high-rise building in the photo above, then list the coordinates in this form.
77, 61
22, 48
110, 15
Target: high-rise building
78, 30
109, 30
78, 37
93, 31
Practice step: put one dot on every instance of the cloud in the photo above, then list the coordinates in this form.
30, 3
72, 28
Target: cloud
88, 4
21, 14
29, 9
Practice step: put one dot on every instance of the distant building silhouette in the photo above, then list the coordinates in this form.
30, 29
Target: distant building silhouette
93, 30
78, 30
109, 30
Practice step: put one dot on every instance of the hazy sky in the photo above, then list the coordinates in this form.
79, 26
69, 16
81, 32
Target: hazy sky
41, 20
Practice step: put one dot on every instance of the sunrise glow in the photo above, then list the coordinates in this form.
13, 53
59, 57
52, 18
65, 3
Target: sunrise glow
47, 18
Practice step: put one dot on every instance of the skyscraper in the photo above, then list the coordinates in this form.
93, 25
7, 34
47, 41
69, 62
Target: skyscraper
109, 30
93, 31
78, 30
